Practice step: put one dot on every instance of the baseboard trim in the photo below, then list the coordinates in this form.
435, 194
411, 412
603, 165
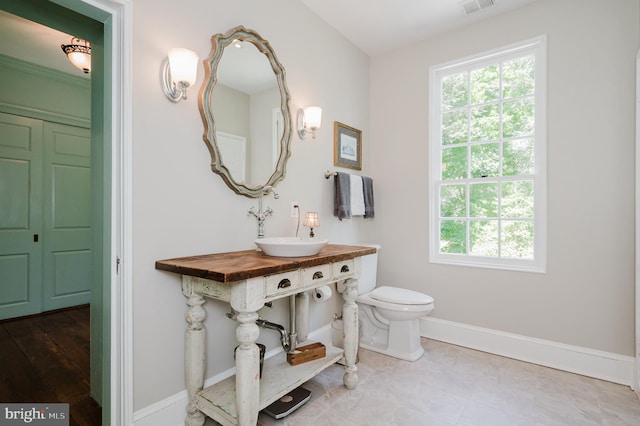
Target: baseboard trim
575, 359
172, 410
169, 411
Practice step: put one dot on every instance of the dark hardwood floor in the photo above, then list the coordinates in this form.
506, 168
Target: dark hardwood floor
45, 358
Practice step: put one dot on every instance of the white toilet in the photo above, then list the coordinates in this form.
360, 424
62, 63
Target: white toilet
389, 316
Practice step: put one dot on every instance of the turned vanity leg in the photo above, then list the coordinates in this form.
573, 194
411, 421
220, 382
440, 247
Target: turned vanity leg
350, 324
195, 353
247, 369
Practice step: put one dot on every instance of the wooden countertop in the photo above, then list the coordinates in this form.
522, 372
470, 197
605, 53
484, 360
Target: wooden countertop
242, 265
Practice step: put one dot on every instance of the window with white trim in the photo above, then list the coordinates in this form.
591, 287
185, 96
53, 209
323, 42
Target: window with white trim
487, 159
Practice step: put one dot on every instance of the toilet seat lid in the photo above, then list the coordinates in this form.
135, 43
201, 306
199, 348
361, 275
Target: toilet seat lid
401, 296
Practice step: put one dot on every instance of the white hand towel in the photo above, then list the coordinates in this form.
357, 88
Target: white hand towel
357, 196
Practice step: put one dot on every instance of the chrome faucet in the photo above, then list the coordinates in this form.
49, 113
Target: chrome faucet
260, 214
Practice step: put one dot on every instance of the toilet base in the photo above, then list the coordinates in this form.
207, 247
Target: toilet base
399, 339
413, 356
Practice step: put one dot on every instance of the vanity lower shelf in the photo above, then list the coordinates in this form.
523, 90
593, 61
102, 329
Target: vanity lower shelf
278, 378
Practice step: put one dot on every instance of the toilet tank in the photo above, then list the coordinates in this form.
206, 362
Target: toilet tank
368, 270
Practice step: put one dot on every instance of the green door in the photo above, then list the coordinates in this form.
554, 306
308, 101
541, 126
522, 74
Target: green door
20, 216
45, 216
66, 238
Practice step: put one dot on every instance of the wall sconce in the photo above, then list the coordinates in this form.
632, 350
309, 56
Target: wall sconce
178, 72
78, 53
309, 120
311, 221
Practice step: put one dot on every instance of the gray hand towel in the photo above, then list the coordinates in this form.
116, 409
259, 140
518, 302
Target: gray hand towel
342, 200
367, 186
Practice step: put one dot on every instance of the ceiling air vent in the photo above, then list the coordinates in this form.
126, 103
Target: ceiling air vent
471, 6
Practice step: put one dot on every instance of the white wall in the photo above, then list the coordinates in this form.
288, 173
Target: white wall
181, 208
586, 297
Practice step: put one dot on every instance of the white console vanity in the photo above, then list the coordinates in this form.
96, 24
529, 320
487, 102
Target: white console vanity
247, 280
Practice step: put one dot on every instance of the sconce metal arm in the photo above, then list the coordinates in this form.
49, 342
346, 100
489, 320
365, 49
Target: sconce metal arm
171, 91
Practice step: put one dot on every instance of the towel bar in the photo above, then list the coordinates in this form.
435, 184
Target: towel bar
328, 174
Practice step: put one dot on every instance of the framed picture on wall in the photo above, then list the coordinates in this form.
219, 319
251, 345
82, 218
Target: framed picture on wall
347, 146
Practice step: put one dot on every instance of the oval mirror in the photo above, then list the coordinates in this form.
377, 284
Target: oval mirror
244, 104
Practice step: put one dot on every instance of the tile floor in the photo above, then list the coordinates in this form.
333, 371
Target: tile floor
455, 386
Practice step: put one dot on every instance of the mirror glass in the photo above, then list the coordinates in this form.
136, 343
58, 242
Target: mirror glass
244, 103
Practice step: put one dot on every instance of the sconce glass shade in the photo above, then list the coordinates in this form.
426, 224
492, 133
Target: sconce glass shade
179, 71
313, 117
311, 221
184, 65
79, 54
309, 120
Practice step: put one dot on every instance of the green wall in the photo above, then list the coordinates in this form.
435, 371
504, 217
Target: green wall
30, 90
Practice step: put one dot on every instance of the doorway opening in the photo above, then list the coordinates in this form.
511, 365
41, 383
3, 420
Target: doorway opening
45, 225
99, 170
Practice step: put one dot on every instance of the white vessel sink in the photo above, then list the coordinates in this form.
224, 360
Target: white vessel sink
290, 246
